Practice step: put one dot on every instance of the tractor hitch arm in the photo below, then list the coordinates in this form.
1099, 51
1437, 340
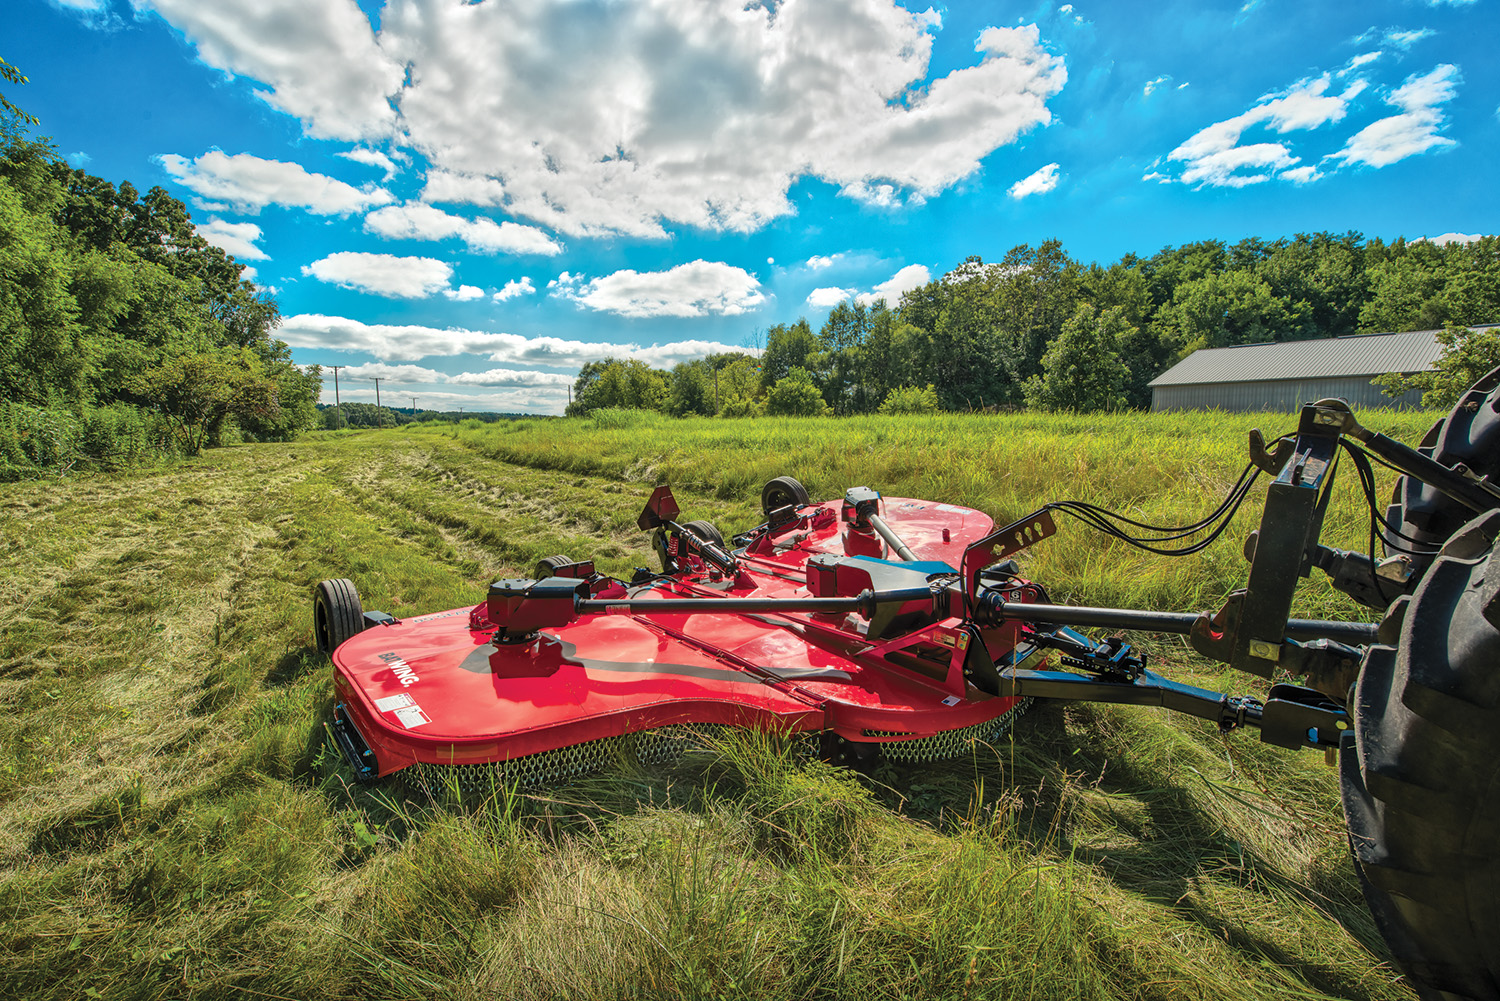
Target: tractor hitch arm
1290, 717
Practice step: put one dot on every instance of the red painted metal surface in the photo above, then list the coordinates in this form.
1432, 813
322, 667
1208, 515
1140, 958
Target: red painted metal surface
439, 689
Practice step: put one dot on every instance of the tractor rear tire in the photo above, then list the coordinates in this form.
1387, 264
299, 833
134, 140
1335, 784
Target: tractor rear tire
1421, 772
337, 613
781, 492
1470, 436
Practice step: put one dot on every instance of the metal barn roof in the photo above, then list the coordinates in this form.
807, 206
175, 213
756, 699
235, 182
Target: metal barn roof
1329, 357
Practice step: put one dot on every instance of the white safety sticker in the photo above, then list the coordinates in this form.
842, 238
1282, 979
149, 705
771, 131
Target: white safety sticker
393, 702
950, 509
411, 716
952, 700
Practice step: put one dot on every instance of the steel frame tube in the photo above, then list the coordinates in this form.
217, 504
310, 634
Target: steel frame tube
1358, 633
892, 539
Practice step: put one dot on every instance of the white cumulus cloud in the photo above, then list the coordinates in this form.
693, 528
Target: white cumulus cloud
320, 58
1038, 183
372, 158
1300, 175
415, 221
249, 183
698, 288
510, 378
383, 274
462, 189
411, 342
234, 238
1448, 238
409, 374
827, 298
515, 288
912, 276
1213, 156
1414, 130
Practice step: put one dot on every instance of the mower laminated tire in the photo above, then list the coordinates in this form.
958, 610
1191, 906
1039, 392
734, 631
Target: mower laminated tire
706, 530
1421, 772
781, 492
548, 566
337, 613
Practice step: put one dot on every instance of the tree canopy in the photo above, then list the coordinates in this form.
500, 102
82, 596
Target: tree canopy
1038, 328
111, 297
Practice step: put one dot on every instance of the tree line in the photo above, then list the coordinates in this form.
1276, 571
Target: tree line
110, 300
1041, 329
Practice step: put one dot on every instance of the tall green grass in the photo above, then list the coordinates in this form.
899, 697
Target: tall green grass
1165, 469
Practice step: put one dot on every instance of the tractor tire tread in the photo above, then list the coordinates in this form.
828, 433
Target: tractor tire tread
1420, 777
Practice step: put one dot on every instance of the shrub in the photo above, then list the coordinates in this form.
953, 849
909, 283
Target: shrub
796, 395
910, 400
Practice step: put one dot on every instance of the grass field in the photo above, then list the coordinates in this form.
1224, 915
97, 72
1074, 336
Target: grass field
174, 824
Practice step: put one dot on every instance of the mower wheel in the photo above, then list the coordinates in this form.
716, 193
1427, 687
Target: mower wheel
337, 613
1421, 772
781, 492
548, 566
706, 530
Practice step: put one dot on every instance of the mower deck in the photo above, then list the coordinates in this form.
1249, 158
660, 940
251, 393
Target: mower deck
456, 688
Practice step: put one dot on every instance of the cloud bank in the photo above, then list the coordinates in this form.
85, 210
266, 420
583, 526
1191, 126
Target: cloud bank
625, 118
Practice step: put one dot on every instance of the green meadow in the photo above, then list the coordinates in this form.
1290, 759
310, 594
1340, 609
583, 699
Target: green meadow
174, 822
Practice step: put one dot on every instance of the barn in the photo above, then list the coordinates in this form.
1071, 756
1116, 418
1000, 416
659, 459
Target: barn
1286, 375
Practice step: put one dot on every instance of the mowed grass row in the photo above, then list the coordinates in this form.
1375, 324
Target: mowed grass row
174, 823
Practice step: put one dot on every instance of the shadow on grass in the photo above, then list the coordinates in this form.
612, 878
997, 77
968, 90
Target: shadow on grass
1168, 846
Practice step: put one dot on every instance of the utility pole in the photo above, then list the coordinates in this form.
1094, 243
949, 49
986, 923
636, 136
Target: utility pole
716, 391
336, 382
377, 392
413, 408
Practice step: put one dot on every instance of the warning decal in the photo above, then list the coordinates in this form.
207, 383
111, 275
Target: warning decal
411, 716
393, 702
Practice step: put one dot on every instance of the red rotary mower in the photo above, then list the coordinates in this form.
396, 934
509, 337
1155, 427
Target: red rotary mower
804, 626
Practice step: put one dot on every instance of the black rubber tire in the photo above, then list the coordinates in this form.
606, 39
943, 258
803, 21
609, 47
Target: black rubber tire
780, 492
1421, 772
706, 530
1470, 435
337, 613
547, 566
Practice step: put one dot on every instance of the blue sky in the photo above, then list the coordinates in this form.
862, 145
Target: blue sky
470, 200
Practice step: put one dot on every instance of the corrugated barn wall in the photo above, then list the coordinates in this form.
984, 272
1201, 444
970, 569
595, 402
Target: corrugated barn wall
1285, 395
